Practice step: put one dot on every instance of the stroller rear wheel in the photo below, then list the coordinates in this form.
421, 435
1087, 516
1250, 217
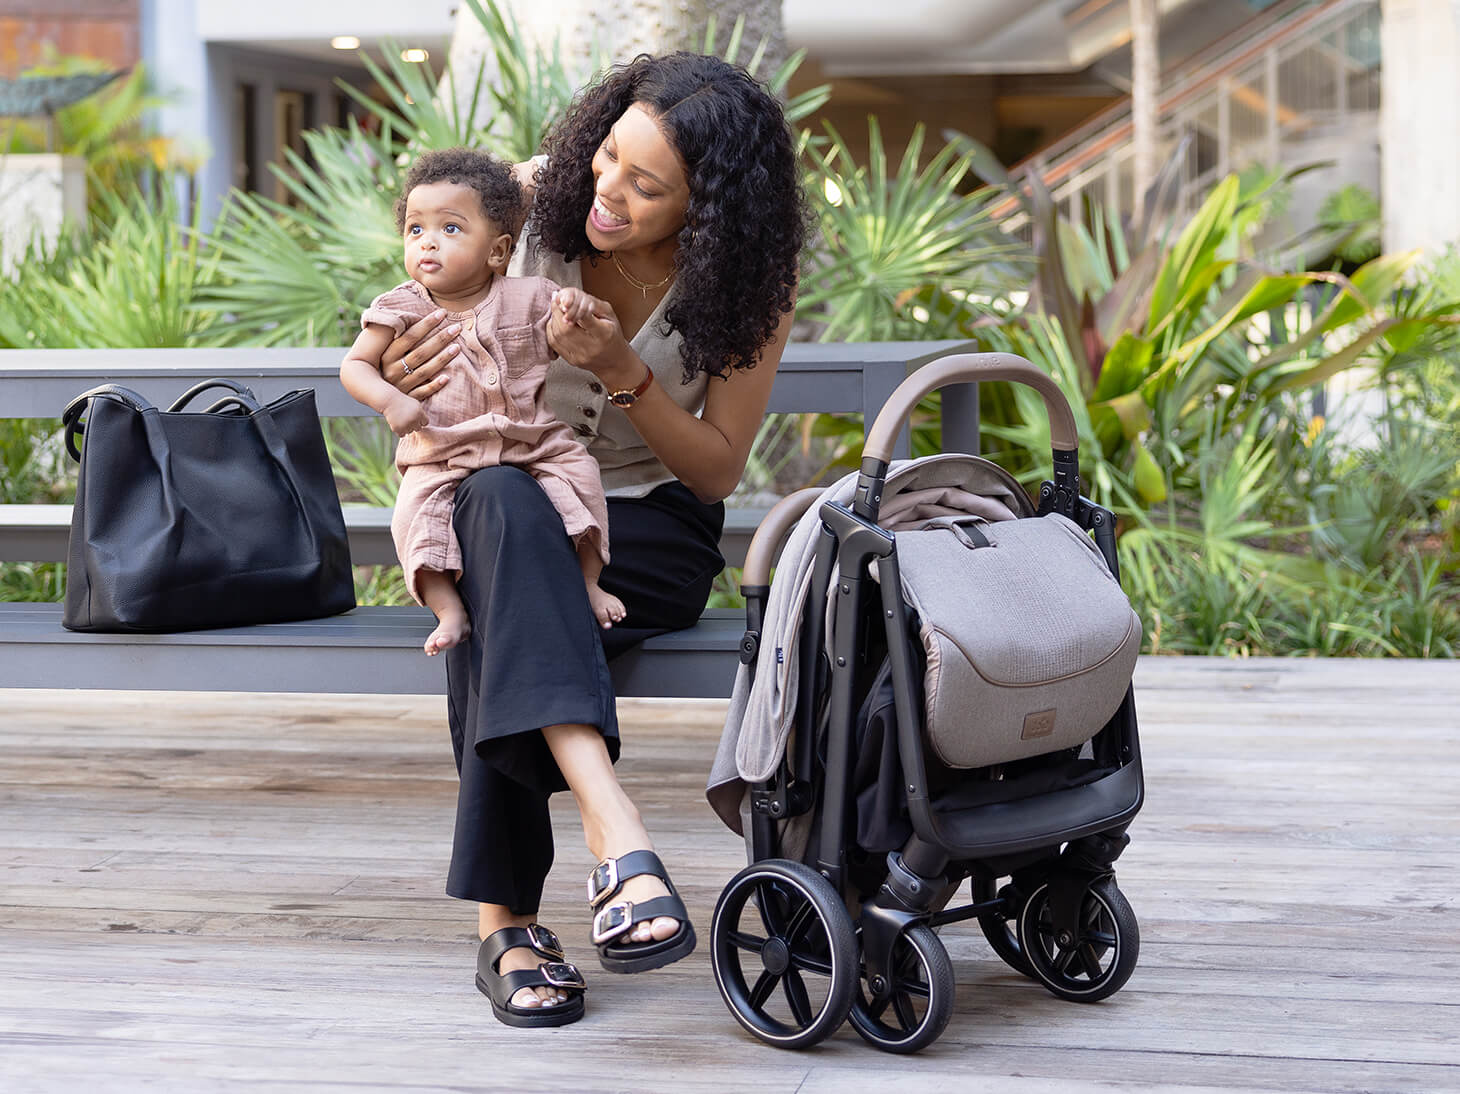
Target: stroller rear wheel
796, 931
1098, 960
1002, 930
917, 1010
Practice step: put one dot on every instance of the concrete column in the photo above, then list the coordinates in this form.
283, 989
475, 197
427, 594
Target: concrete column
1420, 124
38, 193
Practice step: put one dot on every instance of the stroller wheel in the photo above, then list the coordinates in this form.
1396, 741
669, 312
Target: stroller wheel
921, 1002
784, 953
1099, 960
1002, 930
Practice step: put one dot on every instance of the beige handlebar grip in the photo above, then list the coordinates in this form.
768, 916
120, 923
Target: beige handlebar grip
965, 368
771, 530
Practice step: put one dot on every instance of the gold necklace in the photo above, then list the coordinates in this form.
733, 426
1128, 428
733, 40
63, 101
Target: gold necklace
642, 286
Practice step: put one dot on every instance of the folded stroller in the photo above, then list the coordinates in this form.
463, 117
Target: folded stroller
935, 689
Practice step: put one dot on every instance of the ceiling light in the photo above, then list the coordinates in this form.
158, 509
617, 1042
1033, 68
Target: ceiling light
345, 41
415, 56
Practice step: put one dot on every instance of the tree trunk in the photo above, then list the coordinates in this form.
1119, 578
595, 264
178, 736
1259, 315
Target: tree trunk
618, 30
1145, 77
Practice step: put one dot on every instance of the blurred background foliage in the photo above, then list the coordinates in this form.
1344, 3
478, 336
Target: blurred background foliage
1281, 444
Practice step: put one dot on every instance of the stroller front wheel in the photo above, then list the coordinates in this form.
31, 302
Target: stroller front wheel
917, 1008
1095, 963
784, 953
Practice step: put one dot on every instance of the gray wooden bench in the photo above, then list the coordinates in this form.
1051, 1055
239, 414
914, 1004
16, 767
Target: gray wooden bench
373, 649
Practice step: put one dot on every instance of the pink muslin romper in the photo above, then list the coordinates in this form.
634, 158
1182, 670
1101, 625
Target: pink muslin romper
490, 412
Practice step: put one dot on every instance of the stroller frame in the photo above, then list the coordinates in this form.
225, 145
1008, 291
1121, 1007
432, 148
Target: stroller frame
1065, 839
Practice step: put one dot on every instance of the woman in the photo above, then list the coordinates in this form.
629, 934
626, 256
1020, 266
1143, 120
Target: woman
669, 193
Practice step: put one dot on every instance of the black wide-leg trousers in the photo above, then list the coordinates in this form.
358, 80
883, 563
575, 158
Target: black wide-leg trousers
536, 656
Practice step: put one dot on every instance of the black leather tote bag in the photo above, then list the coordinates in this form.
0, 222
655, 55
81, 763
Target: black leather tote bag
201, 518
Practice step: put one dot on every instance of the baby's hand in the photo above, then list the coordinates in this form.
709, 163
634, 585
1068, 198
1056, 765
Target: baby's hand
405, 415
575, 305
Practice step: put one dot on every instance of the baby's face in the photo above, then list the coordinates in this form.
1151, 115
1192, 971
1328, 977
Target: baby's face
451, 246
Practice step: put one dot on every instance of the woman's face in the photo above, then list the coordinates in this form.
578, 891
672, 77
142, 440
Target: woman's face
641, 191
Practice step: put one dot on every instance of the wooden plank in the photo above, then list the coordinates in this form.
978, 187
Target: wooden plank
243, 891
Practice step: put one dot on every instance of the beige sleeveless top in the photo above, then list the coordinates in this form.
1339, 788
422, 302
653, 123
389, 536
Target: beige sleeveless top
576, 396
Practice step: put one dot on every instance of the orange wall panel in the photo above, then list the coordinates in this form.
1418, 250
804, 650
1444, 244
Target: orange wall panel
107, 30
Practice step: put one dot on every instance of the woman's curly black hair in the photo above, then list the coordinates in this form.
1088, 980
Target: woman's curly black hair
747, 217
496, 188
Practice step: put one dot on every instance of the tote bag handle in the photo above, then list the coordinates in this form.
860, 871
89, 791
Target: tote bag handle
203, 385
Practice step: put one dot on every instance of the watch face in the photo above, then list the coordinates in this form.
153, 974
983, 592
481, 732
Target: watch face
623, 398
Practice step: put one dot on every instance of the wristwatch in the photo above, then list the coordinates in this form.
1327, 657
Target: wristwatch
627, 397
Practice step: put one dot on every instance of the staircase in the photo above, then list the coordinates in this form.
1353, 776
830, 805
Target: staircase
1298, 86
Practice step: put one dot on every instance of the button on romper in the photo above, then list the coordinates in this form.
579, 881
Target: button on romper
490, 412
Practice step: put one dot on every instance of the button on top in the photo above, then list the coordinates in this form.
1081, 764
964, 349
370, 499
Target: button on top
588, 411
469, 322
596, 388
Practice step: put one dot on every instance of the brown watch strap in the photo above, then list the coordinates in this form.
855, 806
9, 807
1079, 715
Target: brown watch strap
627, 397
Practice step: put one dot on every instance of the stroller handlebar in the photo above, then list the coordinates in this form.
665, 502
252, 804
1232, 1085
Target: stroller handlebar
970, 368
771, 531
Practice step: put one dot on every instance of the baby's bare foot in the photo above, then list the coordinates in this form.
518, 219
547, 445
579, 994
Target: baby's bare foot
607, 608
451, 629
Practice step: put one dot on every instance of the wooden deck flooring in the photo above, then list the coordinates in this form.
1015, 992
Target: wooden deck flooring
212, 892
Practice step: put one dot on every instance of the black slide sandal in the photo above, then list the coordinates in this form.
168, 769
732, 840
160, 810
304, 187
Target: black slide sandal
499, 987
614, 920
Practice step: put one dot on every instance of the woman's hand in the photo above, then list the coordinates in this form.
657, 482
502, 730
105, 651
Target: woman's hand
584, 331
414, 359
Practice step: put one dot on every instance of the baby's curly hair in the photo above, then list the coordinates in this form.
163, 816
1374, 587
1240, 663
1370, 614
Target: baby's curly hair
498, 191
747, 217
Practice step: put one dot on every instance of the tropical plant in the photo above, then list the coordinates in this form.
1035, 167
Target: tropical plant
1156, 337
892, 239
1363, 510
134, 280
300, 274
1352, 216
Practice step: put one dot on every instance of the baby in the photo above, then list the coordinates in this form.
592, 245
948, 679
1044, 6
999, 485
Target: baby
458, 213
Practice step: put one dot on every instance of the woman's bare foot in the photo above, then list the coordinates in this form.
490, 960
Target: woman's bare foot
452, 628
607, 608
492, 918
627, 833
612, 826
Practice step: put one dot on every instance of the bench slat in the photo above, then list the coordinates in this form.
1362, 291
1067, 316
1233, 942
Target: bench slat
39, 533
365, 651
836, 377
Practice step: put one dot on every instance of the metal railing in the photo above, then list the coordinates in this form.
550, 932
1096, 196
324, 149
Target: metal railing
1308, 71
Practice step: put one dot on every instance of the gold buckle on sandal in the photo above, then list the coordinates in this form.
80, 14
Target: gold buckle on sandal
544, 941
602, 882
612, 921
560, 974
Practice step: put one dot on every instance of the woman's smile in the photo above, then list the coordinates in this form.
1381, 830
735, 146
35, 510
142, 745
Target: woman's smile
605, 219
